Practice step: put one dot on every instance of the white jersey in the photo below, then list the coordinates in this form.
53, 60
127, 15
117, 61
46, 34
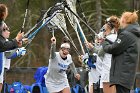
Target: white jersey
107, 61
94, 74
56, 78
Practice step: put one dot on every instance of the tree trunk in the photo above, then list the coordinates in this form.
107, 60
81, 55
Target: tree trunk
99, 15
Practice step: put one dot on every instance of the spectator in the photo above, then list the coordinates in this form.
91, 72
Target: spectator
5, 44
124, 53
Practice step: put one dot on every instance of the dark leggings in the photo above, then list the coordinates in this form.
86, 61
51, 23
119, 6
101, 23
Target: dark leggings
121, 89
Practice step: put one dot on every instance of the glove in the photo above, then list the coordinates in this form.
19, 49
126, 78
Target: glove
18, 52
21, 51
85, 58
92, 61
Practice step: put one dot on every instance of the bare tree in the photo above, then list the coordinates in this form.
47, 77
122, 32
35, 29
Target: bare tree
98, 15
136, 4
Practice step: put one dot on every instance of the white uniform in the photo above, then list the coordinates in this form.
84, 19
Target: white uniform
105, 75
94, 74
56, 78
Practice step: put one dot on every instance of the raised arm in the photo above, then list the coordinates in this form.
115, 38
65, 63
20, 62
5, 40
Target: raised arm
53, 48
121, 44
11, 44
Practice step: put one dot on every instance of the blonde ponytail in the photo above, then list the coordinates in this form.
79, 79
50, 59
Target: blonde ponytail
130, 17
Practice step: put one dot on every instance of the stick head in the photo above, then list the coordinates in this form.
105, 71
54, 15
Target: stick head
51, 28
57, 8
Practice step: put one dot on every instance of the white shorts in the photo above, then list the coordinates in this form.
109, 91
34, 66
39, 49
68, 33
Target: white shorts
53, 87
101, 84
105, 77
99, 64
94, 76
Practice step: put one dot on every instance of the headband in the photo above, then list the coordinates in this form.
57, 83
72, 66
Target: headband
65, 45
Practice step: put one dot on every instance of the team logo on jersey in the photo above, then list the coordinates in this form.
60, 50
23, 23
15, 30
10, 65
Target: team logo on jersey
118, 40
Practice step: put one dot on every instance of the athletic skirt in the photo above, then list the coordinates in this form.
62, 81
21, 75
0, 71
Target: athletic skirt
56, 86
